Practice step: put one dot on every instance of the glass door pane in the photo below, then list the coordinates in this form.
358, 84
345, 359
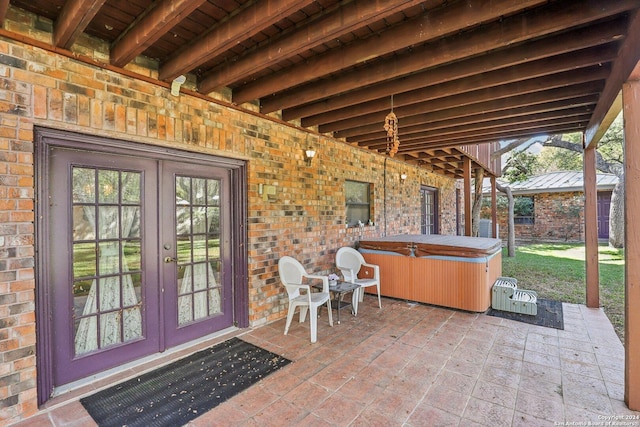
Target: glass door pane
196, 251
197, 212
107, 248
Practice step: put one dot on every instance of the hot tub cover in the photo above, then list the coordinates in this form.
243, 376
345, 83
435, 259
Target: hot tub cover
434, 244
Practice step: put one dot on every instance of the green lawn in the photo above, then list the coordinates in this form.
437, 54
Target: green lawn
557, 271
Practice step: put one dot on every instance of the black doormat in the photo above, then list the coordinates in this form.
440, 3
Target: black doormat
183, 390
549, 314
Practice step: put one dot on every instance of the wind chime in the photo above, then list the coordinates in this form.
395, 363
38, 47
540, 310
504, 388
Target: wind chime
391, 127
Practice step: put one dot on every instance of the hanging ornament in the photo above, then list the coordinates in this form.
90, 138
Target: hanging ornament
391, 127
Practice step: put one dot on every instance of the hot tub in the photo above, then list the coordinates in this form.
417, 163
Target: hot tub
449, 271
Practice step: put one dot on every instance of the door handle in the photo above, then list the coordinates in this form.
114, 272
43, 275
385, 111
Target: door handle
169, 259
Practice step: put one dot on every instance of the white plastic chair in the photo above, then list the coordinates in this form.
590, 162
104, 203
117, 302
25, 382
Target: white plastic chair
300, 295
350, 261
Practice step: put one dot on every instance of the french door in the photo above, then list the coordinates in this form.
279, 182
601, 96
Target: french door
194, 251
140, 257
429, 208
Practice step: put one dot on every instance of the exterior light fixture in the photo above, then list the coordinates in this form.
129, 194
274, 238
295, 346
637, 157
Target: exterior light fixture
403, 177
176, 83
309, 154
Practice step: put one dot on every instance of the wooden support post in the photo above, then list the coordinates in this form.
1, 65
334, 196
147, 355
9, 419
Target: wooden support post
494, 209
467, 197
591, 227
631, 111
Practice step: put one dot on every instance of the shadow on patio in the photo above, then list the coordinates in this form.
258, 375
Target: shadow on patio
416, 365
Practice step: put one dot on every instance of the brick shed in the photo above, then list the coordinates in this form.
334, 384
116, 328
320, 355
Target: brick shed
558, 205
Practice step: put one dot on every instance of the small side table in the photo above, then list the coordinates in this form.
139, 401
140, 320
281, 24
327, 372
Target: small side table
339, 289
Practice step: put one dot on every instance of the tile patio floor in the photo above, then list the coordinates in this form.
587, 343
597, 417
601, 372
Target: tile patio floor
415, 365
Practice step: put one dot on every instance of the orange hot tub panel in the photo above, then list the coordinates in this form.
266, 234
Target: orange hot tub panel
457, 272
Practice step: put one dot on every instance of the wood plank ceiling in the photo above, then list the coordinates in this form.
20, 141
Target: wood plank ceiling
454, 72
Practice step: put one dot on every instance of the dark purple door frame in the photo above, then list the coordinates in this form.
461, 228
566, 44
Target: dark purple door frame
45, 139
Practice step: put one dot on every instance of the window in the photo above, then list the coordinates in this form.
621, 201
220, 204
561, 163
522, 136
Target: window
523, 210
358, 200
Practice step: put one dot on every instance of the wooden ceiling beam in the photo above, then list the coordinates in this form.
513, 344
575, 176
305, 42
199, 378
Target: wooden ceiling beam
454, 156
577, 122
426, 129
541, 84
628, 58
428, 155
455, 167
455, 170
74, 18
584, 103
444, 165
558, 129
247, 23
449, 173
441, 152
417, 139
509, 32
456, 17
488, 138
490, 110
4, 6
423, 157
326, 28
565, 43
149, 28
437, 161
527, 71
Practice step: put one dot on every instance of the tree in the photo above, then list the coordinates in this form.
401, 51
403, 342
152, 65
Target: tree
520, 166
553, 159
511, 228
477, 202
565, 153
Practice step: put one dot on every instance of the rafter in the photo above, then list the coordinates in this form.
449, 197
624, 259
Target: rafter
485, 111
415, 139
541, 68
452, 160
440, 22
73, 20
159, 19
568, 78
491, 138
4, 6
425, 131
508, 32
584, 104
295, 104
331, 26
242, 26
628, 59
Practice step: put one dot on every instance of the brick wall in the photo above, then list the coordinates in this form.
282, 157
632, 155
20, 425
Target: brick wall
557, 217
304, 218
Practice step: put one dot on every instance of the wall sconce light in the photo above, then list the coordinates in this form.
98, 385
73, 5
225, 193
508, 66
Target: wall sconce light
309, 154
403, 177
